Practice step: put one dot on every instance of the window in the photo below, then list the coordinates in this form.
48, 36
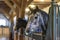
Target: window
2, 22
26, 17
15, 20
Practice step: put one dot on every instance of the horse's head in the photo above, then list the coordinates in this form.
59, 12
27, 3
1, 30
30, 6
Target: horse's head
38, 21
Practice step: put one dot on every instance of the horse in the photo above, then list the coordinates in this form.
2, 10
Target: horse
38, 21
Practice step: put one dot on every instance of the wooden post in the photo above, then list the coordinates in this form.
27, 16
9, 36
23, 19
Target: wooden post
21, 14
20, 11
15, 32
11, 28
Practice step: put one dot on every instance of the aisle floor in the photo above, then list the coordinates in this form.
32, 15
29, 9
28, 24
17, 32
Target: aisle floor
4, 38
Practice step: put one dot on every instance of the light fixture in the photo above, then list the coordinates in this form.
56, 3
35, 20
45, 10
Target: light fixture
32, 6
42, 0
27, 10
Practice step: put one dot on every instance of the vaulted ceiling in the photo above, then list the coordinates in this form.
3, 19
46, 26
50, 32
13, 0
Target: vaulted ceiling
4, 7
7, 5
43, 3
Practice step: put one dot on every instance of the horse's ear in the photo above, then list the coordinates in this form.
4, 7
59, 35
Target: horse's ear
34, 10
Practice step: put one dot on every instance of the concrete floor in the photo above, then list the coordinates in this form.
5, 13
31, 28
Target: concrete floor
4, 38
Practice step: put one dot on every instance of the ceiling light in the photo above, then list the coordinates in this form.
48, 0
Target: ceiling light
27, 10
32, 6
42, 0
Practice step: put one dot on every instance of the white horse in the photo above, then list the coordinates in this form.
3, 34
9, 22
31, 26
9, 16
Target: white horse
37, 22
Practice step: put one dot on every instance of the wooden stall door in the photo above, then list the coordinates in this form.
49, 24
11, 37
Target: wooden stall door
4, 32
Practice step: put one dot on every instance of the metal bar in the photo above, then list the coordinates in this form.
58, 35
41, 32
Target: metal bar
53, 20
58, 25
54, 23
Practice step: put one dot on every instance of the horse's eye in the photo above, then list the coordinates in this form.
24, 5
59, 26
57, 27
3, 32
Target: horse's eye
35, 17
